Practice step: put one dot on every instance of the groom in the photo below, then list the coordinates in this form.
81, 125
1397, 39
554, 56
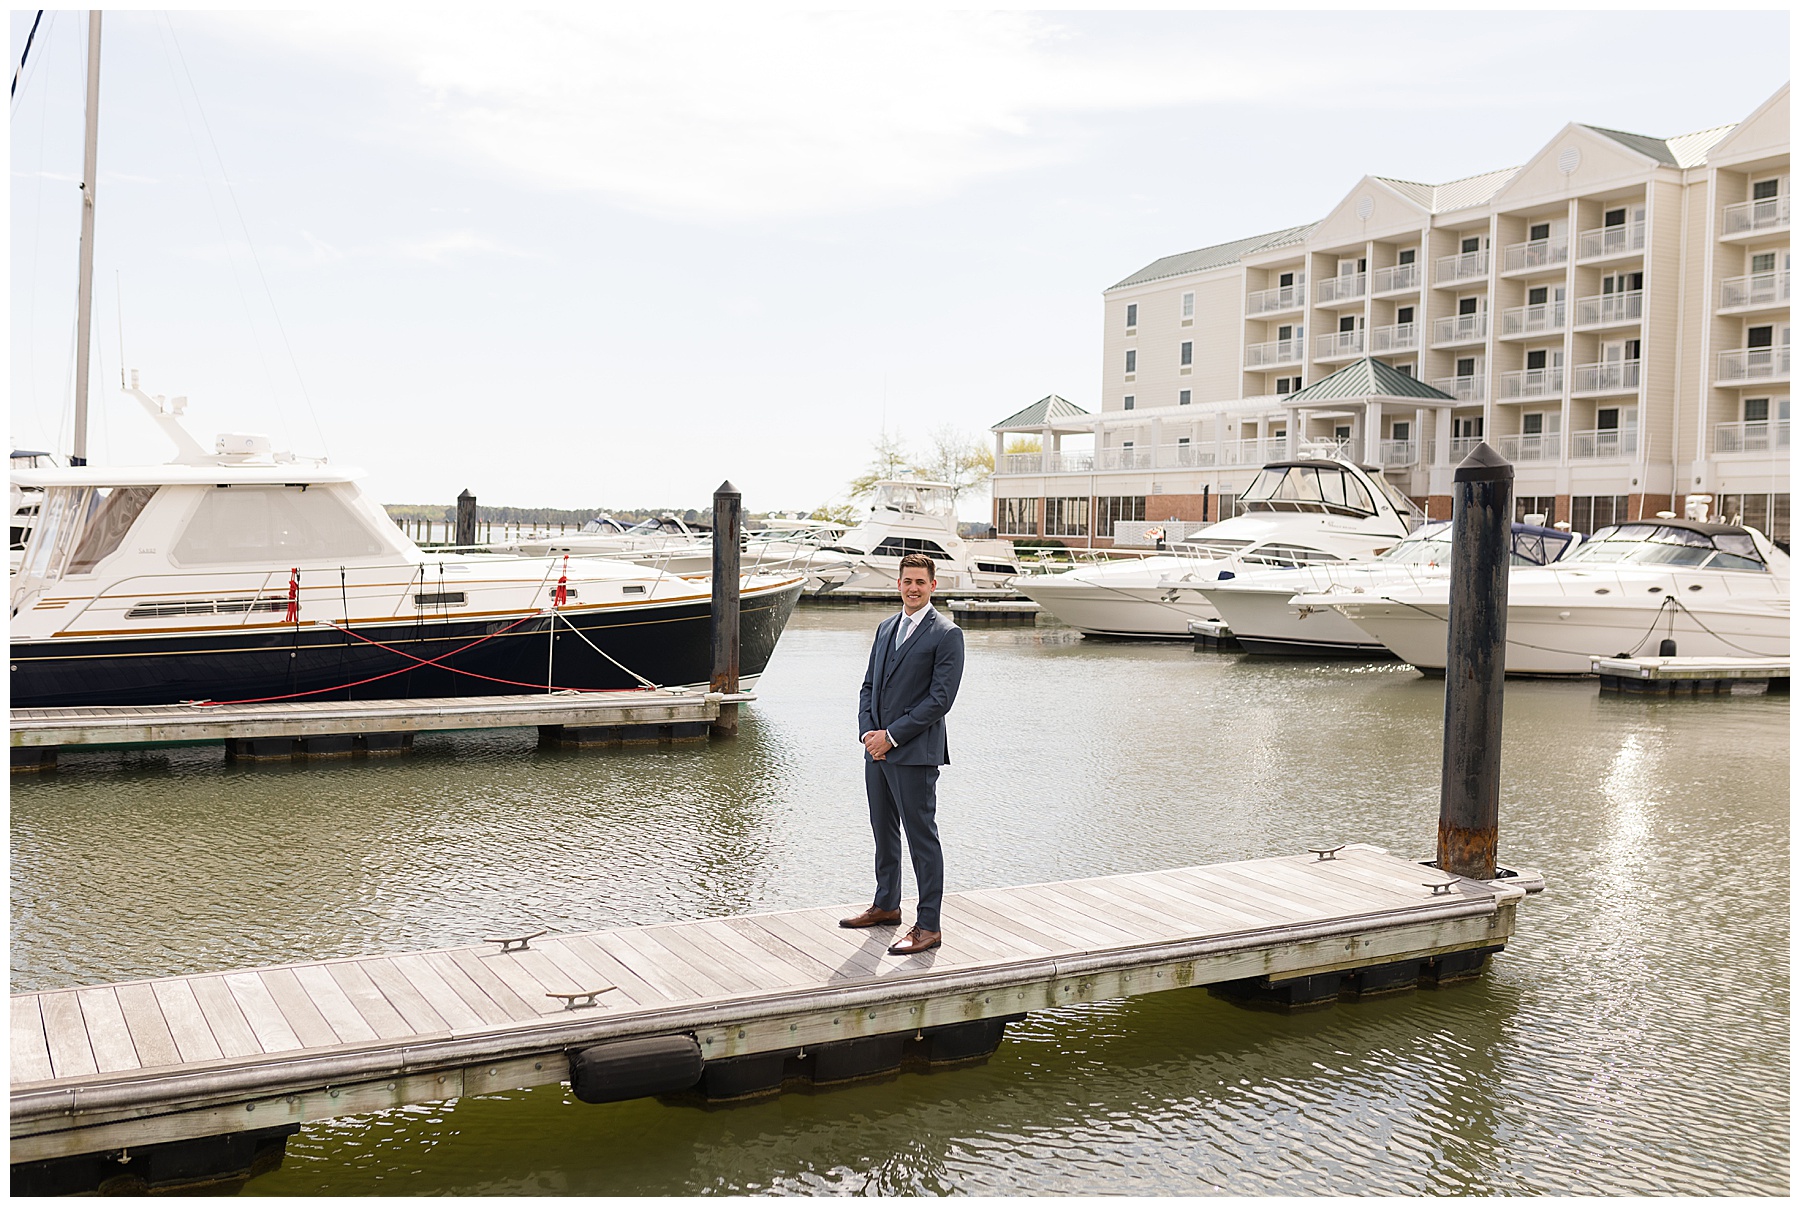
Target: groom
911, 683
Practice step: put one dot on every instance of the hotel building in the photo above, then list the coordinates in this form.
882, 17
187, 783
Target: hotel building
1612, 317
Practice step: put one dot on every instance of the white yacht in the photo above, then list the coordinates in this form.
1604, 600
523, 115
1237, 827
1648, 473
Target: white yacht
670, 544
1294, 513
1258, 609
24, 501
240, 574
1715, 590
915, 516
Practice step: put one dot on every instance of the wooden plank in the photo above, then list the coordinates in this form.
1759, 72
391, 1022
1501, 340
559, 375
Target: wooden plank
30, 1051
1252, 910
1280, 906
505, 968
1222, 903
742, 931
65, 1034
306, 1020
635, 988
737, 975
581, 976
1340, 894
370, 1002
962, 907
107, 1033
549, 974
400, 994
491, 1013
654, 967
261, 1012
1207, 917
188, 1027
1162, 924
849, 963
496, 986
434, 989
334, 1005
1089, 933
150, 1033
225, 1017
1133, 928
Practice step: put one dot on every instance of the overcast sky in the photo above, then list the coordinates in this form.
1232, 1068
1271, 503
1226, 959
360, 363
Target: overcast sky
608, 257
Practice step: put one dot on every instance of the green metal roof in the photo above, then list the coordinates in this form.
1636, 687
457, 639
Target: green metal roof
1368, 378
1217, 256
1048, 409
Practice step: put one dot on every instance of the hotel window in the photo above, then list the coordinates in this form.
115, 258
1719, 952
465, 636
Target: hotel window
1466, 427
1408, 254
1285, 280
1407, 370
1756, 410
1466, 306
1341, 432
1187, 305
1613, 218
1539, 232
1403, 316
1465, 366
1621, 282
1131, 360
1130, 402
1759, 337
1109, 510
1130, 316
1402, 430
1065, 517
1762, 261
1544, 505
1471, 243
1589, 513
1187, 352
1286, 385
1186, 397
1019, 515
1762, 190
1532, 423
1767, 514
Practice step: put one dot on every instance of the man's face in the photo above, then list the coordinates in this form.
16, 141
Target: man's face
915, 587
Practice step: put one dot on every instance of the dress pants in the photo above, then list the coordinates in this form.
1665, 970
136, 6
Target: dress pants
905, 797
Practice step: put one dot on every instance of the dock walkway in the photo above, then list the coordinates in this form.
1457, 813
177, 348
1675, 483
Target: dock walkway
108, 1067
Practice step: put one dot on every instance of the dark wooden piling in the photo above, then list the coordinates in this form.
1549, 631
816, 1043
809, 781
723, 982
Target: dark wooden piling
465, 519
1475, 667
728, 527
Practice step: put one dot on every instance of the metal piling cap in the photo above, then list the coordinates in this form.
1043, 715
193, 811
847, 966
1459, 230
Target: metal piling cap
726, 488
1484, 464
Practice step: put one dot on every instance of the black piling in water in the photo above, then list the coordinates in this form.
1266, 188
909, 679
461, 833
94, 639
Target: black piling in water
727, 539
1475, 666
465, 519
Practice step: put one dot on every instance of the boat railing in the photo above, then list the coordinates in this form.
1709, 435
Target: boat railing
1054, 559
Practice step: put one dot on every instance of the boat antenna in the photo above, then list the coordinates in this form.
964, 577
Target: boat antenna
26, 53
119, 298
85, 289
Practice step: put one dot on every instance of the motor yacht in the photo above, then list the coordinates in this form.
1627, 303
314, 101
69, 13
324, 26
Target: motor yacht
909, 515
24, 501
1713, 590
670, 544
240, 574
1256, 605
1294, 513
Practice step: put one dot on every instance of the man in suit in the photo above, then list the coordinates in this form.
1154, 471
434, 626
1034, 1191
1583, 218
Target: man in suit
914, 670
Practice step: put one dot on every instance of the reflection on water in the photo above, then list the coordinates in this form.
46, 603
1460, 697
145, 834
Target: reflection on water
1634, 1040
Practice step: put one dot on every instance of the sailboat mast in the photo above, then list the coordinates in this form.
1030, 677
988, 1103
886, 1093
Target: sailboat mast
84, 304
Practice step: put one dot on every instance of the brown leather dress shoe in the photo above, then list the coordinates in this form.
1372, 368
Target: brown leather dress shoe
873, 916
917, 940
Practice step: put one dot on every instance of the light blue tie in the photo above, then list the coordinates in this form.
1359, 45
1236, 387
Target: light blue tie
907, 624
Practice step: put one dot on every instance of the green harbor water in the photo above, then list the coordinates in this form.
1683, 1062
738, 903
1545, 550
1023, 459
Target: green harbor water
1634, 1039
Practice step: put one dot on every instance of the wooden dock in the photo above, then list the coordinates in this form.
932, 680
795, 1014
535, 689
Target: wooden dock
1690, 676
890, 595
970, 613
744, 1003
290, 728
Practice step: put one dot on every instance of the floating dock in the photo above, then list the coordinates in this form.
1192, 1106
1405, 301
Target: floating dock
889, 595
1213, 635
337, 728
970, 613
1676, 676
173, 1081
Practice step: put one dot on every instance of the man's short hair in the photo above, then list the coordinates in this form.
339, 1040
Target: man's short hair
920, 561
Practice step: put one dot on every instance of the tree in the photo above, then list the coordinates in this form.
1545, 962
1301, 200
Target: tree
1024, 444
840, 513
891, 460
958, 459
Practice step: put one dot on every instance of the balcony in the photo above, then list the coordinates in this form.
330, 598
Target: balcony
1754, 291
1338, 345
1185, 456
1459, 329
1275, 352
1531, 383
1124, 458
1071, 463
1469, 266
1022, 463
1341, 289
1255, 451
1464, 389
1608, 377
1750, 217
1602, 444
1395, 278
1392, 454
1753, 436
1750, 365
1462, 446
1532, 320
1529, 446
1535, 255
1611, 241
1605, 309
1401, 337
1269, 301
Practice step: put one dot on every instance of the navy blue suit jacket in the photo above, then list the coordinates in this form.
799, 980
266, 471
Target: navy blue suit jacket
907, 691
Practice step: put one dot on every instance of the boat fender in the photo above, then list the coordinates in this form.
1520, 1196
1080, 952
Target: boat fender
635, 1068
1667, 648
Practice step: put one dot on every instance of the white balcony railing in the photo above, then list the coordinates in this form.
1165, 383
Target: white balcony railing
1539, 253
1462, 446
1464, 389
1397, 452
1401, 337
1254, 451
1339, 289
1753, 364
1602, 443
1529, 446
1611, 241
1757, 289
1608, 377
1022, 463
1766, 214
1275, 352
1071, 463
1604, 308
1286, 297
1751, 436
1185, 456
1336, 344
1532, 383
1124, 458
1460, 328
1396, 277
1469, 266
1529, 320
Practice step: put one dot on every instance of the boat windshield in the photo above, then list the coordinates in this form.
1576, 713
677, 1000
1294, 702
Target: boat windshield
1318, 488
602, 524
920, 497
1669, 545
1430, 546
62, 517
